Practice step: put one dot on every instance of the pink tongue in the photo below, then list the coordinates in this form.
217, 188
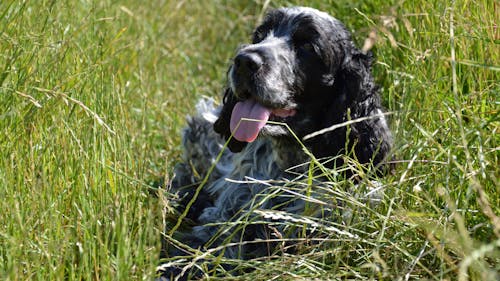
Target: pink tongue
248, 130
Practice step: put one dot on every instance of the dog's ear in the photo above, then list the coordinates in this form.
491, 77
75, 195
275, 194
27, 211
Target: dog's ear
353, 88
356, 75
371, 138
221, 126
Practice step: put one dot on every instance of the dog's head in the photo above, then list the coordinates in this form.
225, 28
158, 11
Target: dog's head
301, 69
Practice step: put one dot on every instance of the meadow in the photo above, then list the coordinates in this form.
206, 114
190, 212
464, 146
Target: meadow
94, 94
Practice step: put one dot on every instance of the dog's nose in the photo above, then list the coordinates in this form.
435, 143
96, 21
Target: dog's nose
247, 62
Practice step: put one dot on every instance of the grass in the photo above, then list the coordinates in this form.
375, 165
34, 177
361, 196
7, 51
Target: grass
93, 95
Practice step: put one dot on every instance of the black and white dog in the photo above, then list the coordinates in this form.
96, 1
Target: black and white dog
300, 77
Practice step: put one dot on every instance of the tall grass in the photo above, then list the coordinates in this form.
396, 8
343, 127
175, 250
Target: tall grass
93, 95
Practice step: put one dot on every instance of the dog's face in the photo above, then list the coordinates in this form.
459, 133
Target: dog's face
286, 75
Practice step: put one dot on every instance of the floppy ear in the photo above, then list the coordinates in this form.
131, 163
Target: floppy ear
357, 77
371, 138
221, 126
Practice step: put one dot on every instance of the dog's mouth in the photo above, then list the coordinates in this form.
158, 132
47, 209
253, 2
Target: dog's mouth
249, 117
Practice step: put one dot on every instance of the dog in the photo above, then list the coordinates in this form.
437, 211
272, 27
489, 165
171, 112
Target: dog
301, 95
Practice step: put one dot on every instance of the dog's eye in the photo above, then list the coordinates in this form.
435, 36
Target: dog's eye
308, 47
257, 37
259, 34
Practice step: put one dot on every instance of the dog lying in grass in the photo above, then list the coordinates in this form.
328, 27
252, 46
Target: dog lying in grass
301, 109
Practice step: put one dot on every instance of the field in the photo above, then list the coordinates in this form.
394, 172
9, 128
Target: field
93, 96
